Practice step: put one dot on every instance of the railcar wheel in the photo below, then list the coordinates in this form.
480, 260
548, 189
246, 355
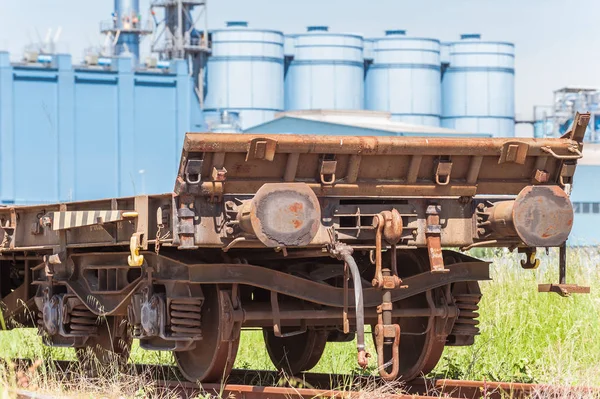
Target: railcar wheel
213, 356
296, 353
420, 349
111, 346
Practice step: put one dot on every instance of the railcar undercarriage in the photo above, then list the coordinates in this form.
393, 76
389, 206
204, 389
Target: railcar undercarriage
309, 238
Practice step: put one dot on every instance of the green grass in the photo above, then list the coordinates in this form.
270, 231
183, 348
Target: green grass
525, 335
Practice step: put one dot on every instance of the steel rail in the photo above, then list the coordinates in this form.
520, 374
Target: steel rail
253, 384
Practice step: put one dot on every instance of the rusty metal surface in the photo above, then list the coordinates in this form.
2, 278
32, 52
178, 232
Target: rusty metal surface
373, 166
319, 293
284, 215
542, 216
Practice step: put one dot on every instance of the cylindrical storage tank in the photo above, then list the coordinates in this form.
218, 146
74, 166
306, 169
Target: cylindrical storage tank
245, 73
404, 78
543, 128
478, 88
327, 71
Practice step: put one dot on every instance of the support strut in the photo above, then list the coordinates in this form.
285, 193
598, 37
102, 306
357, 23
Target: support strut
562, 288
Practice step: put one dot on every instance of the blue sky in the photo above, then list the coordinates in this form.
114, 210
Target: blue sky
555, 40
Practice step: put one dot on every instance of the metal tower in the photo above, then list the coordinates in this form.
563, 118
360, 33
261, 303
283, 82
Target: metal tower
126, 28
179, 34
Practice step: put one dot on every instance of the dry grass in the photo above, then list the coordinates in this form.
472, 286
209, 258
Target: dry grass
45, 378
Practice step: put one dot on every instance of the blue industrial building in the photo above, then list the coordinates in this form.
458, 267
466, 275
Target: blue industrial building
351, 123
586, 198
70, 132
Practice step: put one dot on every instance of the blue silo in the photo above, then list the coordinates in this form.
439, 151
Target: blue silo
326, 72
245, 73
543, 128
478, 88
404, 78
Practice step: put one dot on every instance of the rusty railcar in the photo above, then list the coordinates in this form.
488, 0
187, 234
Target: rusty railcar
308, 237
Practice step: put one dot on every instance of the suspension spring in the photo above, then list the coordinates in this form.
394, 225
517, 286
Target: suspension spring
82, 321
185, 317
468, 305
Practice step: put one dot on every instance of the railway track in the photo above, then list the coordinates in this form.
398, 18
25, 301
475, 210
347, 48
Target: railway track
258, 384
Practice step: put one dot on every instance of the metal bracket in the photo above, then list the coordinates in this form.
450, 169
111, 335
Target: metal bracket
193, 171
434, 240
514, 151
219, 174
562, 288
578, 128
277, 320
567, 171
261, 148
327, 171
442, 172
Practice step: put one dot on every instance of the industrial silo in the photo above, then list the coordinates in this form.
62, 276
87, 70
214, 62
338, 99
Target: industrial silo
404, 78
326, 71
245, 73
478, 87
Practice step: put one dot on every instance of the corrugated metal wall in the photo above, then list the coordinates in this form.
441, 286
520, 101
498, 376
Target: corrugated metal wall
83, 133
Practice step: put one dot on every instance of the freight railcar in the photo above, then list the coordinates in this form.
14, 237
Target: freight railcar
308, 237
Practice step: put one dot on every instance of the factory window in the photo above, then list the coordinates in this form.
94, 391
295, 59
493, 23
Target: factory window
586, 207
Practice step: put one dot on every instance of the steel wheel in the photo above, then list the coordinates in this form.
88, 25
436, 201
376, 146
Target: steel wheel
213, 357
111, 346
297, 353
419, 349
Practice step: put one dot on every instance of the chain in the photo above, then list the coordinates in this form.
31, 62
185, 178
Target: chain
159, 237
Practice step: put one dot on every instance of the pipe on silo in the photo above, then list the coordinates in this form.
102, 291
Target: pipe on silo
236, 24
395, 32
317, 28
467, 36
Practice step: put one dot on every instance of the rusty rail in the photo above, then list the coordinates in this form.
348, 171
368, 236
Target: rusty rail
243, 384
